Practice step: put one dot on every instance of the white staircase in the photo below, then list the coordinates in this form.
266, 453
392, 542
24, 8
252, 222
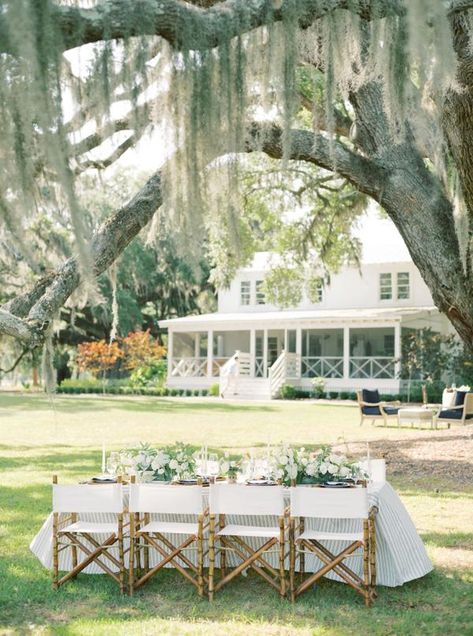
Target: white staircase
252, 389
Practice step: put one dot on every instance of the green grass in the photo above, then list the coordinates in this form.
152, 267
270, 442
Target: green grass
39, 437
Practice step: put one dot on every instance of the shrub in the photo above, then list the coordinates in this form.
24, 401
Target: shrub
288, 392
318, 385
204, 392
196, 393
214, 390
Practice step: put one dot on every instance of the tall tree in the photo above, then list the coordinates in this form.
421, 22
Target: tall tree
222, 76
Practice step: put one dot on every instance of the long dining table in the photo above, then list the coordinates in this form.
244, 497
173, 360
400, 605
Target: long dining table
400, 552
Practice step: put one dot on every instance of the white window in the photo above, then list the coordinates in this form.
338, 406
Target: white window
245, 292
260, 296
403, 287
385, 287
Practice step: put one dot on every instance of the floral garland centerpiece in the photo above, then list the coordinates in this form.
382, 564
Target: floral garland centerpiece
157, 464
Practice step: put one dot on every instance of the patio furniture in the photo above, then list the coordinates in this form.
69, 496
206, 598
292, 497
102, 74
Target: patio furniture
92, 538
350, 503
418, 415
372, 408
460, 413
153, 535
401, 555
244, 501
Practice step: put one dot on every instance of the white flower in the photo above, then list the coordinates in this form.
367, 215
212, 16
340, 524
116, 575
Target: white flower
224, 467
335, 459
311, 469
283, 459
161, 471
332, 469
323, 468
279, 473
173, 464
292, 472
345, 471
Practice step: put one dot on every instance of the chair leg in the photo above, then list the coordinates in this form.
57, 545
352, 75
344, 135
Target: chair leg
211, 556
121, 553
302, 553
200, 557
292, 558
131, 564
146, 552
55, 552
373, 557
282, 549
223, 556
366, 554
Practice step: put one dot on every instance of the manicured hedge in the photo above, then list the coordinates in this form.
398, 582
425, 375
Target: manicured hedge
126, 390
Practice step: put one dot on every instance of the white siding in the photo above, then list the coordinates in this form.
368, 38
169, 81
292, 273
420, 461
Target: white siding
351, 288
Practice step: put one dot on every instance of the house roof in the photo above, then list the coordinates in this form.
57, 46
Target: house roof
248, 319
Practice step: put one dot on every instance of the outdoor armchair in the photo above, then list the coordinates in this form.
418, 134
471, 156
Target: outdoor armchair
372, 408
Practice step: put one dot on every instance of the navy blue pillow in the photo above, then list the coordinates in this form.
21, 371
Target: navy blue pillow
460, 398
372, 397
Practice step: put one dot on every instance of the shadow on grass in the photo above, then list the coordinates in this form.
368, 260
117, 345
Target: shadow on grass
135, 404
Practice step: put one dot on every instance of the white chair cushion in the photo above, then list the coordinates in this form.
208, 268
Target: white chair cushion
91, 527
170, 527
249, 531
331, 536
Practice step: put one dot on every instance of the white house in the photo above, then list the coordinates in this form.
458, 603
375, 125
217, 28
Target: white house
351, 336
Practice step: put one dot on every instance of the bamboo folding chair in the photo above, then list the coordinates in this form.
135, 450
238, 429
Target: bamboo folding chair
80, 536
147, 534
319, 503
246, 501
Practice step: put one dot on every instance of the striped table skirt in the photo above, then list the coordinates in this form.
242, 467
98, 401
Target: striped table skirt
400, 553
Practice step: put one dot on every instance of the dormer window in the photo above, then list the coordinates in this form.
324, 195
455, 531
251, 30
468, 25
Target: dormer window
260, 295
403, 286
385, 286
245, 292
319, 292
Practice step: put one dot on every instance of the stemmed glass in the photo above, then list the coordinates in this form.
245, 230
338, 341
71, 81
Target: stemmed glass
113, 463
212, 466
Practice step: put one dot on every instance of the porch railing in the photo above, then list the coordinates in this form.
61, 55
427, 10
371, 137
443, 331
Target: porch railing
189, 367
372, 367
322, 367
286, 367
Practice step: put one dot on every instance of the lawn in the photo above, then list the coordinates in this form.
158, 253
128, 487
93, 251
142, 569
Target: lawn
431, 470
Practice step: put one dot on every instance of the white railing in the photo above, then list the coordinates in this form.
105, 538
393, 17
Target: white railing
322, 367
243, 361
218, 363
189, 367
259, 367
372, 367
287, 366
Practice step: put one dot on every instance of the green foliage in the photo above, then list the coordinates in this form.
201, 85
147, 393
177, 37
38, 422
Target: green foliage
288, 392
318, 386
152, 375
214, 390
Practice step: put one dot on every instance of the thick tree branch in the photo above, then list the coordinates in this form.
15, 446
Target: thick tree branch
317, 149
188, 27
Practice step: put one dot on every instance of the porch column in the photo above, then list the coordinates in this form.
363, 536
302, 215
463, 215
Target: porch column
265, 353
170, 352
252, 353
299, 350
346, 353
197, 345
397, 350
210, 353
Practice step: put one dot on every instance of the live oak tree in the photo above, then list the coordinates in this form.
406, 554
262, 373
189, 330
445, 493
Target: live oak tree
386, 84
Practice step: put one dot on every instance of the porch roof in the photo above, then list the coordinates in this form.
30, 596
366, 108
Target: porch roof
323, 316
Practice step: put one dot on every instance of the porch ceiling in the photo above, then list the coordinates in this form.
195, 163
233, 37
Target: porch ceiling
271, 319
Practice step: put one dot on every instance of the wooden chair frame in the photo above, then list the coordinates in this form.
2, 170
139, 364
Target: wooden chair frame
466, 409
365, 586
142, 542
219, 545
382, 414
92, 552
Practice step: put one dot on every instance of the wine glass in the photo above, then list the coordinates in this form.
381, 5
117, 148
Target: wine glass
212, 465
113, 463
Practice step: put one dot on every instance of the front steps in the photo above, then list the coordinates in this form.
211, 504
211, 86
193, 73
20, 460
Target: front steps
250, 389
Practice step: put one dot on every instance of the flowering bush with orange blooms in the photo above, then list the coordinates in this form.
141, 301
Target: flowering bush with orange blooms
140, 349
98, 356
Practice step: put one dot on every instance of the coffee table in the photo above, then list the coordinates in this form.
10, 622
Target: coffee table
418, 415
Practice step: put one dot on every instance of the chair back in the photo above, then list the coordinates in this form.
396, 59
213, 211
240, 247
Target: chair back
348, 503
165, 499
367, 397
88, 498
468, 408
238, 499
376, 469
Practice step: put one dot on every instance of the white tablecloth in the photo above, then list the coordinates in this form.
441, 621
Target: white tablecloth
400, 553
